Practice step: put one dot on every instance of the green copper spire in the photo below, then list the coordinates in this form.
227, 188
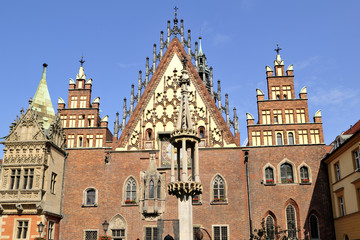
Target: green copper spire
200, 49
42, 102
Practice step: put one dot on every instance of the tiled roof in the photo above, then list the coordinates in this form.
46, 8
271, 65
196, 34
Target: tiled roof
353, 129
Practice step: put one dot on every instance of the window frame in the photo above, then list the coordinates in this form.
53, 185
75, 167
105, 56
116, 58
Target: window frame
152, 237
85, 195
51, 230
16, 228
317, 227
273, 226
287, 221
130, 201
285, 179
91, 230
53, 182
221, 237
219, 198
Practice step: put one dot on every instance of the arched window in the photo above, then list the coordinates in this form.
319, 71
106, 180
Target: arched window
270, 228
269, 175
286, 173
151, 189
291, 138
90, 198
279, 139
219, 189
304, 174
314, 227
201, 132
149, 134
131, 190
158, 190
291, 221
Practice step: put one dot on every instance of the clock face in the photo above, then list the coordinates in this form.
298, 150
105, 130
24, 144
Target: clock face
166, 154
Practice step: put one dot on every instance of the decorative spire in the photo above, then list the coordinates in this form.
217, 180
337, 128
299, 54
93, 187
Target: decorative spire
175, 18
278, 60
81, 74
41, 102
200, 48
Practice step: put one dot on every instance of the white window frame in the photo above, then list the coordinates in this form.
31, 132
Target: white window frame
220, 225
84, 203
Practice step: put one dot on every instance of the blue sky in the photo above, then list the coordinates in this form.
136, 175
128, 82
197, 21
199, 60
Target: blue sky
321, 39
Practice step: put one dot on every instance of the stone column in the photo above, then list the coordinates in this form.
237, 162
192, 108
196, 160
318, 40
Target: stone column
185, 218
184, 161
197, 175
172, 176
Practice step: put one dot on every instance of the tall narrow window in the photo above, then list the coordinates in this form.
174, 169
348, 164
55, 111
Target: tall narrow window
279, 140
265, 116
70, 142
314, 227
158, 190
286, 92
269, 175
300, 115
291, 221
275, 93
89, 140
52, 183
220, 232
151, 189
201, 132
90, 120
267, 138
289, 116
290, 138
63, 121
341, 206
315, 137
81, 121
73, 102
72, 121
130, 191
90, 196
83, 102
219, 189
99, 140
356, 155
15, 178
28, 178
149, 136
256, 138
22, 229
337, 171
304, 174
80, 141
277, 116
303, 137
286, 173
51, 230
270, 228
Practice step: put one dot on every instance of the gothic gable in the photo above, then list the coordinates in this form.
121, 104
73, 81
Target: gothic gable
156, 113
26, 129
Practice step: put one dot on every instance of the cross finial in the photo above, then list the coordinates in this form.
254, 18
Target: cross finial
176, 8
82, 60
277, 49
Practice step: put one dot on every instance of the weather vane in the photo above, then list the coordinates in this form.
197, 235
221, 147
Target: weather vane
82, 60
277, 49
176, 8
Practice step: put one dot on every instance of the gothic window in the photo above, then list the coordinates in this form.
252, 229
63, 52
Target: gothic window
300, 115
303, 138
151, 233
151, 189
279, 140
80, 142
286, 173
22, 229
201, 132
219, 189
118, 234
256, 138
220, 232
289, 116
130, 191
149, 136
291, 221
158, 190
269, 175
314, 227
304, 174
117, 227
15, 178
90, 197
270, 228
28, 178
267, 138
265, 116
290, 138
277, 116
315, 137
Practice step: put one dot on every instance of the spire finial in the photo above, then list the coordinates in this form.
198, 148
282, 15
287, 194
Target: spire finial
277, 49
82, 61
176, 8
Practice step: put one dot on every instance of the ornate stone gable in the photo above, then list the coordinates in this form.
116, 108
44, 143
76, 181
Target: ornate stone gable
157, 110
